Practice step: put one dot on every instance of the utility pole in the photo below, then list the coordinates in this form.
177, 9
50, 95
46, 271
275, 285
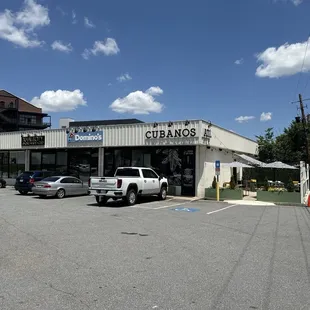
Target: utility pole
305, 126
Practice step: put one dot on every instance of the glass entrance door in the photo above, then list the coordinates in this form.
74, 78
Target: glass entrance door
188, 172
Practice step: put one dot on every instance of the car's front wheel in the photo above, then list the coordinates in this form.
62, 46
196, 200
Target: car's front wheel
60, 193
163, 193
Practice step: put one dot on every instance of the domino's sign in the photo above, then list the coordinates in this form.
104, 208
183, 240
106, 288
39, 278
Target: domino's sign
78, 137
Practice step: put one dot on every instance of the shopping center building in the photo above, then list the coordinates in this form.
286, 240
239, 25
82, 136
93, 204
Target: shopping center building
178, 149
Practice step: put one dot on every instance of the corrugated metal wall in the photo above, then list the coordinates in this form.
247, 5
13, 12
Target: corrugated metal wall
55, 138
134, 135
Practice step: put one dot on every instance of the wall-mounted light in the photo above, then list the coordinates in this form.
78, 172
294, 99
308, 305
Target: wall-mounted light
186, 122
155, 125
170, 124
210, 124
93, 129
76, 130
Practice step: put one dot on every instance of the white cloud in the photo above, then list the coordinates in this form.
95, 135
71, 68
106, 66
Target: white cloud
19, 28
62, 47
295, 2
108, 47
265, 116
244, 119
285, 60
74, 20
60, 100
124, 77
239, 61
88, 23
155, 91
139, 102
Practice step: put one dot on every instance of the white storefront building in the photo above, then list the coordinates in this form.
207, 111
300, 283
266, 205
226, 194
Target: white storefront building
179, 149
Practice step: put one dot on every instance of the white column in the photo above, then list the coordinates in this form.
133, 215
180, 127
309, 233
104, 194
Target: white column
101, 162
27, 160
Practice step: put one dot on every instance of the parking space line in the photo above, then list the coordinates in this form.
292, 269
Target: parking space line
221, 209
171, 206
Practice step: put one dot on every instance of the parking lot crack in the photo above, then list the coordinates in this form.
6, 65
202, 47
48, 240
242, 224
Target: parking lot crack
51, 286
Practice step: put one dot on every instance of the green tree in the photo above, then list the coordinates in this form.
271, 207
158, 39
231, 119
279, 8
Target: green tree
291, 144
266, 146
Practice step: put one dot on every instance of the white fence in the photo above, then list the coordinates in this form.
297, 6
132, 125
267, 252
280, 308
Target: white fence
304, 182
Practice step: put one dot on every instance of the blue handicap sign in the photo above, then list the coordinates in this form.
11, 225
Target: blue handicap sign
217, 164
185, 209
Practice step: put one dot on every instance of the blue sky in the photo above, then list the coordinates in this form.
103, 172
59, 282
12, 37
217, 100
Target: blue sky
172, 59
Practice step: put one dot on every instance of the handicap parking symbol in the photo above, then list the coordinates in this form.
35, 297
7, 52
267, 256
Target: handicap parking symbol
185, 209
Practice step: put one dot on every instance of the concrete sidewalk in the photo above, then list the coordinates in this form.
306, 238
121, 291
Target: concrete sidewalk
250, 202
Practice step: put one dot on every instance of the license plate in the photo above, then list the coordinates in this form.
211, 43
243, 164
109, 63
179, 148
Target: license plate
99, 191
39, 186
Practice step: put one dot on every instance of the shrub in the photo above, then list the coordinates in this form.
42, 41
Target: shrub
232, 182
290, 186
214, 183
266, 184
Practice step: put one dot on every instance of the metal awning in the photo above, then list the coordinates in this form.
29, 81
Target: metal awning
250, 160
236, 164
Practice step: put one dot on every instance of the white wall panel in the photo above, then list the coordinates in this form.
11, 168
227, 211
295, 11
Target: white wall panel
222, 138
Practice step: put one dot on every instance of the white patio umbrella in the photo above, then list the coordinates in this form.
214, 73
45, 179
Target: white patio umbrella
279, 165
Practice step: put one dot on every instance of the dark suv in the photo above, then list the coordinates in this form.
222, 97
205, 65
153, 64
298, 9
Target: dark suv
24, 182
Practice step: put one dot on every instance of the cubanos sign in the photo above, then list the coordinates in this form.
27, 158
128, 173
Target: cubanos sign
78, 137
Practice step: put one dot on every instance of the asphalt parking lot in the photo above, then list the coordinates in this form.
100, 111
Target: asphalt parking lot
176, 254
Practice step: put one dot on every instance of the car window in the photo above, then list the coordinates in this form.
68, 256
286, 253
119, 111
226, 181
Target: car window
26, 174
38, 174
51, 179
65, 180
127, 172
76, 181
149, 174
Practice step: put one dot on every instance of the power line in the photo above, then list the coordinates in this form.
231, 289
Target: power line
302, 66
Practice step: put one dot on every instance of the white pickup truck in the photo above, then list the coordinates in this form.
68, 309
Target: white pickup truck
128, 183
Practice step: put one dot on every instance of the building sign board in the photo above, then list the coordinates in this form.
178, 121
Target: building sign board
171, 133
79, 137
33, 140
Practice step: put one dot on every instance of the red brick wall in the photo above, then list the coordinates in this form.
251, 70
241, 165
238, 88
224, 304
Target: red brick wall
27, 107
23, 105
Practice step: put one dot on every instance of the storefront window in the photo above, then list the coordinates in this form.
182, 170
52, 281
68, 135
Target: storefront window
35, 161
48, 161
17, 163
4, 164
61, 161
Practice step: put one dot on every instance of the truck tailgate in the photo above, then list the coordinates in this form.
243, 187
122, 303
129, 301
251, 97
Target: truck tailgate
103, 183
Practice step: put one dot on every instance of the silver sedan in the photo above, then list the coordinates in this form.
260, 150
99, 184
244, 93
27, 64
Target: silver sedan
60, 186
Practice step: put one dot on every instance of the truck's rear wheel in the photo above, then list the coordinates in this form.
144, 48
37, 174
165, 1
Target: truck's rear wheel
101, 200
131, 197
163, 193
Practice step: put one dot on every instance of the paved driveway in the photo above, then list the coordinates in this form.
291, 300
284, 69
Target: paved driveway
72, 254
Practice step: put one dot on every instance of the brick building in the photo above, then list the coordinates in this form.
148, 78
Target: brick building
16, 114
